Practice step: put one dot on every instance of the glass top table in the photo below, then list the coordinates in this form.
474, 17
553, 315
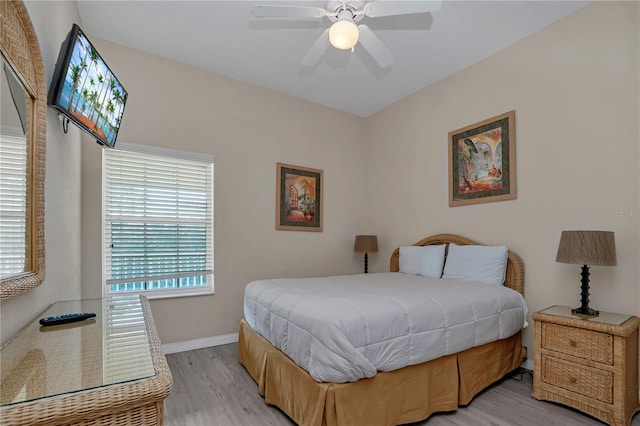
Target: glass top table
603, 318
111, 348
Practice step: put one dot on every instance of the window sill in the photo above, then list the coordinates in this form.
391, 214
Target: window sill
168, 294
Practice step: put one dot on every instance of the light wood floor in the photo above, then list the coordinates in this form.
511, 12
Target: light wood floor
211, 388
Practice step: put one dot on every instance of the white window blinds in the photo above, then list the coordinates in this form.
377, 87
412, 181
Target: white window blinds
13, 204
158, 229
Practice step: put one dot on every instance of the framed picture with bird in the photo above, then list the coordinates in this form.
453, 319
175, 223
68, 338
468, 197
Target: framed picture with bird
298, 198
482, 165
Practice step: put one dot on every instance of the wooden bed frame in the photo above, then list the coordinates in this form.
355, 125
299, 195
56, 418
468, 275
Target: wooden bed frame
407, 395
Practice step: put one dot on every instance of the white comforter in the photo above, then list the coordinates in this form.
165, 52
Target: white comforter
345, 328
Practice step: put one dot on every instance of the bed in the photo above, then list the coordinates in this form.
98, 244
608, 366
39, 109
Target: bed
398, 392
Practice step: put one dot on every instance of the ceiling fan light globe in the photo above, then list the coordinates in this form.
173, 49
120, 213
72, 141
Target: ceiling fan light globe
344, 34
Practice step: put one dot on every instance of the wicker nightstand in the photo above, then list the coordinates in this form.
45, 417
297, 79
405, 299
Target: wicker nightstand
109, 370
588, 363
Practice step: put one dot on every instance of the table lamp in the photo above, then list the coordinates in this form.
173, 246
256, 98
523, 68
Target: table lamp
587, 248
366, 244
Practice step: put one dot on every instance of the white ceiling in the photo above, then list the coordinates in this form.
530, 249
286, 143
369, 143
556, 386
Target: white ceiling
224, 37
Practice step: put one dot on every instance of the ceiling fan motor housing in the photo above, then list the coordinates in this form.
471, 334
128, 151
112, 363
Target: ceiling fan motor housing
341, 10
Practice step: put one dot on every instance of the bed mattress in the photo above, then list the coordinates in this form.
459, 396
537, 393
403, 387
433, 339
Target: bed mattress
345, 328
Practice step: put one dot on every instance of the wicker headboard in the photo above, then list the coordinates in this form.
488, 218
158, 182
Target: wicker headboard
515, 266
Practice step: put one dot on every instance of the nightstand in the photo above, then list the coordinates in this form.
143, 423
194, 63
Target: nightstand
588, 363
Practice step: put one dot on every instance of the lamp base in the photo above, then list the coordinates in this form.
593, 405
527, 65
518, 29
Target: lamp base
584, 308
585, 311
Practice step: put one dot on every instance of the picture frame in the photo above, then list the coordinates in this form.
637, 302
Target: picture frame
482, 166
298, 198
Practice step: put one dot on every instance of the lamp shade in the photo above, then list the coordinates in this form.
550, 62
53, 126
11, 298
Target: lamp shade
366, 243
587, 248
344, 34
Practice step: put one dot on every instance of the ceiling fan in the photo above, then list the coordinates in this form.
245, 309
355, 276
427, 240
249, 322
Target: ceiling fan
344, 33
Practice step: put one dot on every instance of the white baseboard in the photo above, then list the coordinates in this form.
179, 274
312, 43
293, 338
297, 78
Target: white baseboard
205, 342
528, 364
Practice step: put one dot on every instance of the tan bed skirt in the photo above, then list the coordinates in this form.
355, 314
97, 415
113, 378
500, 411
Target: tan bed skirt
402, 396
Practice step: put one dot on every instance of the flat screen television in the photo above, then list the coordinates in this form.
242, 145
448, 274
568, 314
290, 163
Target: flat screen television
86, 91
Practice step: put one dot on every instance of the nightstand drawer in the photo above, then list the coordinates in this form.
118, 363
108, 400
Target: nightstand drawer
586, 344
578, 378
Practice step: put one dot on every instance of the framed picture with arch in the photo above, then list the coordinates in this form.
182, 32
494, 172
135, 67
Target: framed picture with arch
482, 166
298, 198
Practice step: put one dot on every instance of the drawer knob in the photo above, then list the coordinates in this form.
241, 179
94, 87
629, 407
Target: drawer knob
572, 380
573, 343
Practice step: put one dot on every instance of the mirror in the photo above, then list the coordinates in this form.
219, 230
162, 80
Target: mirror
22, 152
15, 106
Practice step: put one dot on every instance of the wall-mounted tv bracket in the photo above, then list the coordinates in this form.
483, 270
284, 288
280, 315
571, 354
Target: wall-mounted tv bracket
65, 123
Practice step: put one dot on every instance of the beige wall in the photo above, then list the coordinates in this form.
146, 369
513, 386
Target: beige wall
248, 130
52, 21
574, 87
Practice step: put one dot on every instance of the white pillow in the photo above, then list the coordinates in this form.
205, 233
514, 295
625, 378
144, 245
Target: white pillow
426, 261
485, 264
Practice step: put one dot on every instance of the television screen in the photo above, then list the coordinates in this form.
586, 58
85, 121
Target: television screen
85, 90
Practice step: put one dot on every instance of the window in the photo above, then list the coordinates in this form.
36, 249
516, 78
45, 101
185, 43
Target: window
158, 221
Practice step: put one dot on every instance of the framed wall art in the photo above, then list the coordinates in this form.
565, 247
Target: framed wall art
482, 165
298, 198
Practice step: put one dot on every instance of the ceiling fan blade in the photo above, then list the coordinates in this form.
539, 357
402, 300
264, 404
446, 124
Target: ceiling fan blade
374, 46
285, 11
380, 8
317, 50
